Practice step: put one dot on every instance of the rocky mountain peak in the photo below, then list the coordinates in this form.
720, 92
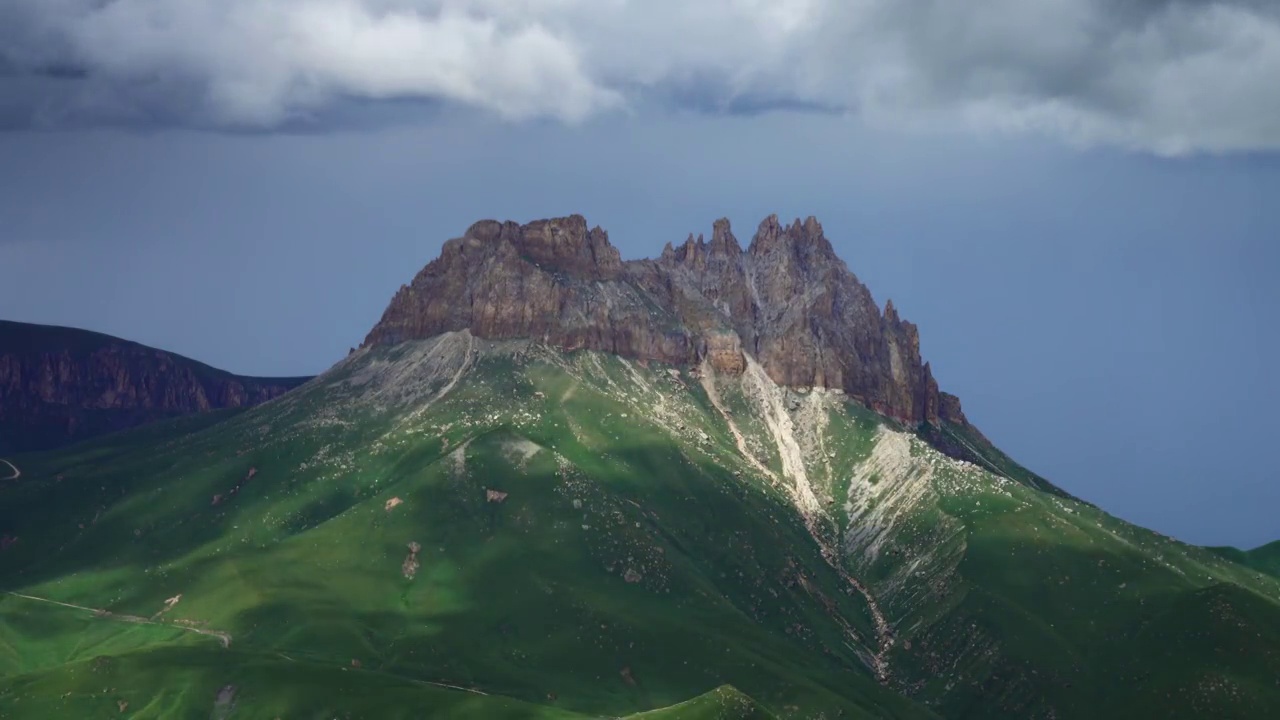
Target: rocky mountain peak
891, 312
799, 238
722, 240
697, 252
563, 244
787, 301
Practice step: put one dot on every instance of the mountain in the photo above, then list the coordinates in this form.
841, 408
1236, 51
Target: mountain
787, 301
1264, 559
59, 385
552, 485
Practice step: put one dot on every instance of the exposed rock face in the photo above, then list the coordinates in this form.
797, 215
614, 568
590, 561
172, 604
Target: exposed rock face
787, 300
551, 280
59, 385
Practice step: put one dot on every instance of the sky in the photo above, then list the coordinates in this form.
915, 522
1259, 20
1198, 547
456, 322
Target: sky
1075, 201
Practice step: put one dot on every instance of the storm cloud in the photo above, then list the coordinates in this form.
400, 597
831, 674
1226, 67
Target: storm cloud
1165, 76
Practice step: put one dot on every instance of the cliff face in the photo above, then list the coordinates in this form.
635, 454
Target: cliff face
60, 385
786, 300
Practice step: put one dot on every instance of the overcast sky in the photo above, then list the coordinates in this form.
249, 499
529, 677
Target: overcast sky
1075, 200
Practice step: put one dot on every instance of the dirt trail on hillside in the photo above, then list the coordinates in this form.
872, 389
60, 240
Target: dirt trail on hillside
16, 472
224, 637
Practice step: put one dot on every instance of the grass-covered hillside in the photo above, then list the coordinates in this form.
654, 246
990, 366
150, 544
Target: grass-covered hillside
455, 528
1264, 559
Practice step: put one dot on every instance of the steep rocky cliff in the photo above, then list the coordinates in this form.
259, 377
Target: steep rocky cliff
786, 300
60, 385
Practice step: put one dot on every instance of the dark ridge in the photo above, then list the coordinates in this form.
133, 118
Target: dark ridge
60, 385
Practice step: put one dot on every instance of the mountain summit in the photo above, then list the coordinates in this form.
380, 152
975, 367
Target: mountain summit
786, 301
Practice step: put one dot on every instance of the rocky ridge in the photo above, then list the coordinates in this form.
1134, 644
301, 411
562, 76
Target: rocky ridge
60, 385
786, 300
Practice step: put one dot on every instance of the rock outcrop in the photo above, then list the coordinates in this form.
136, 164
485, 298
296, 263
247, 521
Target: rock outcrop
786, 300
59, 385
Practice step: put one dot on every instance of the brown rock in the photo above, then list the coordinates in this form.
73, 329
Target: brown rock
724, 352
949, 409
409, 568
787, 301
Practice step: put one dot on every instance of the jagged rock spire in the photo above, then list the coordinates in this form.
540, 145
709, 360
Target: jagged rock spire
787, 300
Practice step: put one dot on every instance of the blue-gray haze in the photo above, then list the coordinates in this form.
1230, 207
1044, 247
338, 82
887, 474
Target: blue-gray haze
1082, 219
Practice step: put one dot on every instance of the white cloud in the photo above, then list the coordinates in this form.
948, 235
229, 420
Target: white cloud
1168, 76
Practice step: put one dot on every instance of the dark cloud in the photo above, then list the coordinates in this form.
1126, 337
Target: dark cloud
713, 95
1169, 76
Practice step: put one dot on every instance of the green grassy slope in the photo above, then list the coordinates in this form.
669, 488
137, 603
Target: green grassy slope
723, 703
455, 528
1263, 559
964, 442
1035, 605
344, 540
1006, 596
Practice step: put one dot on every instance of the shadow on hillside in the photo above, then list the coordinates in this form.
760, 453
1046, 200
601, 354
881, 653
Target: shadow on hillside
193, 681
1093, 627
511, 597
